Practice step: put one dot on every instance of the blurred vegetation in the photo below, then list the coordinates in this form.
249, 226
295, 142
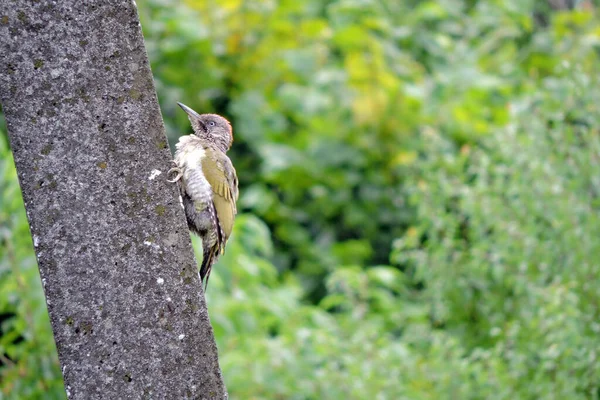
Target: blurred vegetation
420, 199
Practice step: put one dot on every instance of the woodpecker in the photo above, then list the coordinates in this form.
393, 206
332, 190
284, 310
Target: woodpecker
207, 183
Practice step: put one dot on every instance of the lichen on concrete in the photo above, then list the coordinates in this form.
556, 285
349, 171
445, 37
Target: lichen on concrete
129, 318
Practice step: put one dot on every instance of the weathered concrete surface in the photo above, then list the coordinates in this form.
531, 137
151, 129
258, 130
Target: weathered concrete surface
110, 236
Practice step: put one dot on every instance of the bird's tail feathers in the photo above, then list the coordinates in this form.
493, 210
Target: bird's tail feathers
212, 253
209, 257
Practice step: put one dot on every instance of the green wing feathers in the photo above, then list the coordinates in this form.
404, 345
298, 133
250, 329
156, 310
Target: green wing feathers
221, 176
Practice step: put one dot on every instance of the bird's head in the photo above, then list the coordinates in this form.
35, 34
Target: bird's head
210, 127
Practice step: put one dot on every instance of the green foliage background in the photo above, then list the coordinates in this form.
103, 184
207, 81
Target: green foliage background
420, 211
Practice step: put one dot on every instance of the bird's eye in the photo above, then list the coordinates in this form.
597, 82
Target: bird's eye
212, 123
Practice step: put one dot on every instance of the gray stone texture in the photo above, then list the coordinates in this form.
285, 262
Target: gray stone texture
113, 248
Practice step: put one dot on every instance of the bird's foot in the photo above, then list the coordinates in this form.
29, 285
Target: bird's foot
176, 170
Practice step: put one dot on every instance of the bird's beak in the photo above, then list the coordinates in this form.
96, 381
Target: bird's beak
193, 116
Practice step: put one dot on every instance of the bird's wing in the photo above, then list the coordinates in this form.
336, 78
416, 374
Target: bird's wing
221, 176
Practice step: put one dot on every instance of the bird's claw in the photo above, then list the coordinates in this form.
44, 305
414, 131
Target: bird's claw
177, 177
